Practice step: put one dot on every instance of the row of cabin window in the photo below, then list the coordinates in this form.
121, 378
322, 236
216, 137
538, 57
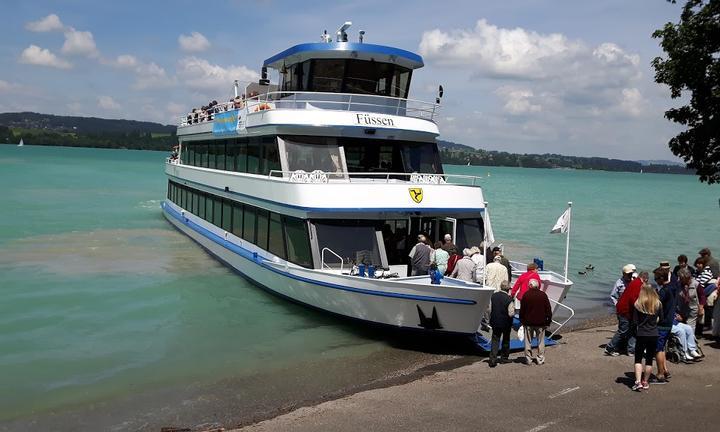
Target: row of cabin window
283, 236
347, 76
254, 155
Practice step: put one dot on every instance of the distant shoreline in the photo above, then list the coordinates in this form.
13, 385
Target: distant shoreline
167, 146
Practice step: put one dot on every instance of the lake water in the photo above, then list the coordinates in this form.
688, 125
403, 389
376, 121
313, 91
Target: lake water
112, 319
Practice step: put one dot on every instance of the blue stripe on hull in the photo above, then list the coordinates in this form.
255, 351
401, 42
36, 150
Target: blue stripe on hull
261, 262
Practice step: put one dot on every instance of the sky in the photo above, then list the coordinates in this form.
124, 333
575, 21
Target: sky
535, 76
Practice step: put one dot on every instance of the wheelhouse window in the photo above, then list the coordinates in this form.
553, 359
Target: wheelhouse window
367, 77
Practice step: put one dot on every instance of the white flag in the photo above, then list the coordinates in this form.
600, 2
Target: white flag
489, 236
561, 226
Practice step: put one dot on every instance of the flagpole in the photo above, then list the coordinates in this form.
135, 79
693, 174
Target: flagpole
485, 246
567, 240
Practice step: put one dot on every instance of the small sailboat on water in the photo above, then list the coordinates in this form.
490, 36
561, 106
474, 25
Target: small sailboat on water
21, 143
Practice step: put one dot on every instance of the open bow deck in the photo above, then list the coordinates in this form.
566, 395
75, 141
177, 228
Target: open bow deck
317, 187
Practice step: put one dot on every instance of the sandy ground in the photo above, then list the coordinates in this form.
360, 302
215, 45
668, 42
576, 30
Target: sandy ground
578, 389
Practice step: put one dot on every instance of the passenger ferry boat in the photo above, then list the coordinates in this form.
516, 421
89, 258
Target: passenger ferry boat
299, 185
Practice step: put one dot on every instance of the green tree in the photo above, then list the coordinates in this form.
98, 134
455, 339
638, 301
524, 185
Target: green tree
692, 65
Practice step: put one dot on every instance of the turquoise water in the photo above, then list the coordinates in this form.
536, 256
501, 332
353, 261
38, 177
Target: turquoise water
102, 299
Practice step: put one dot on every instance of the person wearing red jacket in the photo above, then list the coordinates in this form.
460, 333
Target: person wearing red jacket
625, 336
521, 284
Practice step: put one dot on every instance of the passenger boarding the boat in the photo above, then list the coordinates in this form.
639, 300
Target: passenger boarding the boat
496, 251
502, 312
449, 246
535, 317
496, 273
420, 257
440, 258
523, 283
479, 260
464, 268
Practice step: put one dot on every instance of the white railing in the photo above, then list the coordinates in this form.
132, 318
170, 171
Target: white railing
320, 101
322, 259
317, 176
561, 324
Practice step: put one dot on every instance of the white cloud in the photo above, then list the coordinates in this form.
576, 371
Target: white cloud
107, 103
150, 75
79, 43
518, 100
499, 52
7, 87
49, 23
126, 61
632, 102
195, 42
35, 55
200, 74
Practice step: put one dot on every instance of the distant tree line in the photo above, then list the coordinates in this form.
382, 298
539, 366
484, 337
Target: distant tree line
116, 140
455, 156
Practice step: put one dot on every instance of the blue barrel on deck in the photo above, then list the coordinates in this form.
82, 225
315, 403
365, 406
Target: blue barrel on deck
540, 263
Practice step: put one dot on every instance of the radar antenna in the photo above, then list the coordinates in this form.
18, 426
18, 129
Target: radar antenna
341, 33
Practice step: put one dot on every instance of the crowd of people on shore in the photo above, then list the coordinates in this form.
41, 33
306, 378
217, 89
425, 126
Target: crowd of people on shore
524, 307
663, 319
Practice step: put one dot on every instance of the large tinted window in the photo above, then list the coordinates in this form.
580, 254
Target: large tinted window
270, 155
368, 77
362, 155
354, 240
253, 156
249, 224
469, 232
297, 241
226, 215
237, 224
327, 75
276, 244
311, 153
262, 228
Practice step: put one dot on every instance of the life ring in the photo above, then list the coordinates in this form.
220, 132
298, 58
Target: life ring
263, 106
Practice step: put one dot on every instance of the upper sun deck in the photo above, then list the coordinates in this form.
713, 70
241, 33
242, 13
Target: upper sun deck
318, 84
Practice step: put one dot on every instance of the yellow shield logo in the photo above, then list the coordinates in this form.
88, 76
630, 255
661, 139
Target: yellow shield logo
416, 194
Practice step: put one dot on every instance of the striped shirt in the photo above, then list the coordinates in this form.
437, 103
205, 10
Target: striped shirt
704, 277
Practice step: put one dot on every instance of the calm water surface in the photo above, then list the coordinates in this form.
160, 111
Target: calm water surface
103, 301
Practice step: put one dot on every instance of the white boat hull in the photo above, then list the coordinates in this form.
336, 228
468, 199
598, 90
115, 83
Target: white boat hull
407, 303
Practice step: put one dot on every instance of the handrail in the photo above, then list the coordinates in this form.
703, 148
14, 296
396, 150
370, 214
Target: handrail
560, 325
322, 259
337, 101
415, 178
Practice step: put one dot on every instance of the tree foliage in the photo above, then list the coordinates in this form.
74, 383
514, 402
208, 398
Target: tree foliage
692, 68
